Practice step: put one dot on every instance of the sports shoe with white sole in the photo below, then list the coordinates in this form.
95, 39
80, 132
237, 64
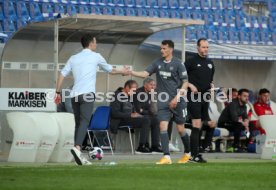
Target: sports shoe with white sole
78, 158
172, 148
198, 159
184, 159
77, 155
164, 160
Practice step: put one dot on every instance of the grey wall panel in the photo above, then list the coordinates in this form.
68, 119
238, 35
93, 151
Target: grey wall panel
42, 79
15, 79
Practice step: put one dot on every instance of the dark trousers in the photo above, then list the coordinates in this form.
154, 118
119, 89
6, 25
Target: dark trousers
139, 122
83, 110
155, 130
236, 128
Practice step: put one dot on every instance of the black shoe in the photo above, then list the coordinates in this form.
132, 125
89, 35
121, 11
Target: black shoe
142, 150
156, 150
239, 150
198, 159
205, 150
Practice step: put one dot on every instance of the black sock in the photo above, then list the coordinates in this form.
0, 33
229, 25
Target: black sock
186, 142
195, 141
164, 138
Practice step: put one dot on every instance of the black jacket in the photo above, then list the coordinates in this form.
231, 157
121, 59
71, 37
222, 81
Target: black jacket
119, 110
233, 112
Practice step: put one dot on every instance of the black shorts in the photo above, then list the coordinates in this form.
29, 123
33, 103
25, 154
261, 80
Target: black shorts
198, 109
179, 113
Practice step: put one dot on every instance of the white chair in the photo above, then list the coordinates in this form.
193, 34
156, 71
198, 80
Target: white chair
66, 125
49, 135
213, 111
273, 106
26, 137
254, 116
268, 122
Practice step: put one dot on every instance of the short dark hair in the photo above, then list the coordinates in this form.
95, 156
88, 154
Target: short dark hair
231, 89
199, 40
86, 39
242, 91
170, 43
129, 83
263, 91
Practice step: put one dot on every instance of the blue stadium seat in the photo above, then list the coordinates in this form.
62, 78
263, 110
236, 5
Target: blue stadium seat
142, 12
107, 10
228, 17
22, 11
218, 16
163, 4
175, 14
47, 8
201, 33
164, 13
204, 4
196, 14
35, 12
8, 26
208, 17
140, 3
152, 4
183, 4
273, 36
191, 34
1, 14
173, 4
254, 36
119, 11
94, 2
154, 13
101, 2
233, 35
59, 8
71, 9
265, 36
215, 4
227, 4
244, 35
239, 21
130, 11
237, 4
185, 14
223, 34
130, 3
83, 2
9, 10
84, 9
20, 23
119, 3
95, 10
212, 33
194, 4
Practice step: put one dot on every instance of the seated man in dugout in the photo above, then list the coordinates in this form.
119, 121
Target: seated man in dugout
234, 118
142, 103
123, 113
262, 107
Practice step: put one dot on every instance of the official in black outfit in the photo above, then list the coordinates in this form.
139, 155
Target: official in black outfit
200, 72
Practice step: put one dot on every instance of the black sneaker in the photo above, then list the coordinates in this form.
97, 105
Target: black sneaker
142, 150
208, 149
156, 150
239, 150
198, 159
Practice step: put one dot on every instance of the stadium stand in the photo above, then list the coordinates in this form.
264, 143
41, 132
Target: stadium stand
222, 18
